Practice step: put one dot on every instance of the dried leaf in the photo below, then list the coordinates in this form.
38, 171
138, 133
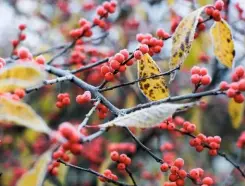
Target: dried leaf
182, 40
223, 42
153, 88
20, 75
147, 117
21, 114
236, 113
36, 175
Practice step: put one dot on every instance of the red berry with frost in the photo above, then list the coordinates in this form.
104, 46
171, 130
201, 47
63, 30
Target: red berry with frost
219, 5
225, 86
164, 167
114, 156
205, 80
121, 166
207, 180
109, 76
239, 98
137, 54
195, 79
144, 48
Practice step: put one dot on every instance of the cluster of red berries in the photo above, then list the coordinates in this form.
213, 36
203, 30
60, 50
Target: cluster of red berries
240, 11
168, 124
84, 98
24, 54
77, 55
70, 133
102, 111
108, 7
197, 174
178, 174
108, 174
241, 141
200, 141
122, 160
234, 89
21, 37
83, 30
148, 44
116, 63
63, 100
2, 63
214, 11
199, 76
17, 95
162, 34
126, 147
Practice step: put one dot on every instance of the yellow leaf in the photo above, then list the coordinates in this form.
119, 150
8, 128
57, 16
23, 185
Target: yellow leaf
36, 175
153, 88
170, 2
223, 43
20, 75
182, 39
21, 114
236, 113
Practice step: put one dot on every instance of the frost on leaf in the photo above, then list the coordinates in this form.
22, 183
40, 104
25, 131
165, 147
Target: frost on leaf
147, 117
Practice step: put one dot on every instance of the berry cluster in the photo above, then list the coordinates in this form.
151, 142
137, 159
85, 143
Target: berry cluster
126, 147
116, 63
148, 44
122, 160
241, 141
108, 174
197, 174
16, 95
84, 98
83, 30
234, 89
2, 63
69, 132
168, 124
200, 27
21, 37
103, 11
102, 111
200, 76
63, 100
214, 11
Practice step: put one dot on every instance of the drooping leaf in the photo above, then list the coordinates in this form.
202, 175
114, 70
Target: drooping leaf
223, 42
182, 39
21, 114
236, 113
20, 75
153, 88
147, 117
36, 175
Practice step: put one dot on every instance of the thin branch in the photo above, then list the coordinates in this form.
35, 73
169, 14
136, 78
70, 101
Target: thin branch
131, 176
140, 79
91, 171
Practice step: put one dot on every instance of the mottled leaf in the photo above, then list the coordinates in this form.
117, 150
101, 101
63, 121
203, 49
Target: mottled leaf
223, 43
236, 113
153, 88
182, 39
147, 117
21, 114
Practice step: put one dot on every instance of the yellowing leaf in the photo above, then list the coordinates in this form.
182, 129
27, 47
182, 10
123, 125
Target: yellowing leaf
182, 39
147, 117
21, 114
236, 113
36, 175
153, 88
20, 75
223, 43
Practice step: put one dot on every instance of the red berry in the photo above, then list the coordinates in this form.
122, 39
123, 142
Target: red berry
182, 173
212, 152
23, 53
205, 80
209, 11
121, 166
195, 70
20, 92
66, 101
104, 69
160, 33
119, 57
144, 48
241, 85
22, 27
225, 86
114, 156
239, 98
203, 71
40, 60
194, 173
239, 71
180, 182
216, 15
207, 180
137, 54
59, 104
195, 79
125, 53
122, 158
109, 76
128, 161
230, 92
164, 167
179, 162
114, 64
219, 5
